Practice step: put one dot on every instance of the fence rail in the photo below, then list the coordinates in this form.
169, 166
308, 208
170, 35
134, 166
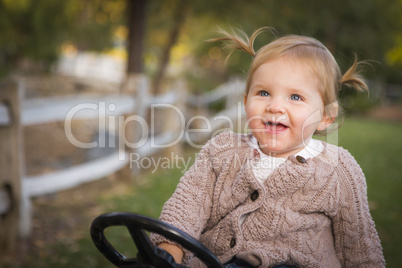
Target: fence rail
45, 110
71, 177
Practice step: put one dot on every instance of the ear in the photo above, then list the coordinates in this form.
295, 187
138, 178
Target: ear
329, 116
326, 121
245, 99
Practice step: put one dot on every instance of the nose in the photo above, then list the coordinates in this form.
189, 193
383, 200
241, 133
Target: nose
276, 106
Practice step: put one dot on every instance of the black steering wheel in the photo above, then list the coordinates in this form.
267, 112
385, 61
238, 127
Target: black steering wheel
148, 255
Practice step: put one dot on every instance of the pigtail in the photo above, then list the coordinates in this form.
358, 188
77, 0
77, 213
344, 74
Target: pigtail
353, 77
239, 41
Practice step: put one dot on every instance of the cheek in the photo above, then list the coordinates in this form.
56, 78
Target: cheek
252, 112
252, 123
313, 118
308, 122
309, 130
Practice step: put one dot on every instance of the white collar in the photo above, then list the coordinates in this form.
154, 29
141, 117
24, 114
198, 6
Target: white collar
313, 148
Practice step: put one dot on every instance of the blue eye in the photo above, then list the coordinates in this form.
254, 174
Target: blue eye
295, 97
263, 93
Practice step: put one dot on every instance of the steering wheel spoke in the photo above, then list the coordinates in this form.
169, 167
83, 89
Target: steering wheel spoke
142, 242
148, 255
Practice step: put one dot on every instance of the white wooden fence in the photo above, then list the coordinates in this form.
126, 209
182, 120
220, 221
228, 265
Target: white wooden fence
44, 110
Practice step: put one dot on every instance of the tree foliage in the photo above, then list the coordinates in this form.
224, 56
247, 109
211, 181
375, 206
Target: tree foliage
35, 30
22, 30
365, 27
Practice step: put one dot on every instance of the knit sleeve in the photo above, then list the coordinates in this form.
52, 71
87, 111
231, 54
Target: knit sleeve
356, 240
189, 207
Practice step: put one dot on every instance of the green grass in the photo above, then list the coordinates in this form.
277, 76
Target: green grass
377, 146
147, 199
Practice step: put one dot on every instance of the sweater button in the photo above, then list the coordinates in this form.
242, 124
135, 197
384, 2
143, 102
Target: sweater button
232, 242
301, 159
254, 195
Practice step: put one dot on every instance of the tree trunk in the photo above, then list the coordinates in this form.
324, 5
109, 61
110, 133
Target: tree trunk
135, 44
179, 17
136, 26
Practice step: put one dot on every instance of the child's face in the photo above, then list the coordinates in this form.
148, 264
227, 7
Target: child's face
284, 106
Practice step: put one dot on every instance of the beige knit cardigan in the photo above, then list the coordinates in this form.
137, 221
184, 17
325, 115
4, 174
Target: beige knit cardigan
308, 213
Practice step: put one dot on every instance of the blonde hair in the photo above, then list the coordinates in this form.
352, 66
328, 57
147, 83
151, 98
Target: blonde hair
308, 50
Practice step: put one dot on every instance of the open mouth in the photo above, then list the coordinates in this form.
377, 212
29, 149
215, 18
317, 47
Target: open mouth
275, 127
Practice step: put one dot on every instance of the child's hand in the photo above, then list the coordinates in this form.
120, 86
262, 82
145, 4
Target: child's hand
173, 250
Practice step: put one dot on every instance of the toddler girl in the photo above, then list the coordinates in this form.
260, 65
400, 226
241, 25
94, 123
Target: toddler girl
276, 197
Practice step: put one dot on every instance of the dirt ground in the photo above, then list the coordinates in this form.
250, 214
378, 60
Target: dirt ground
65, 216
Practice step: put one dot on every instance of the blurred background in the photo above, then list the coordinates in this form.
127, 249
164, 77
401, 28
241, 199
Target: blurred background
55, 55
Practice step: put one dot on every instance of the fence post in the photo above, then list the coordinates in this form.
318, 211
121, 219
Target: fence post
10, 157
175, 120
131, 131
